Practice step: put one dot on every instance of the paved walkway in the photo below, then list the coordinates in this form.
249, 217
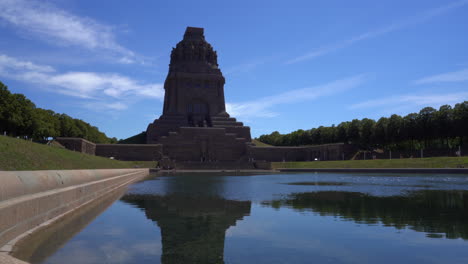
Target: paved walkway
7, 259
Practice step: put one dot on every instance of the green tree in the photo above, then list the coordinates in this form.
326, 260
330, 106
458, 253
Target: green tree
341, 132
410, 129
444, 124
426, 124
394, 129
353, 131
366, 133
45, 124
380, 132
460, 118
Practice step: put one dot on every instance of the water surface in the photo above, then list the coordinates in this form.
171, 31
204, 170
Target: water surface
272, 218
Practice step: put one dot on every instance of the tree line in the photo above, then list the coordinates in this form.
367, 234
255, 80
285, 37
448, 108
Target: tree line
430, 128
19, 117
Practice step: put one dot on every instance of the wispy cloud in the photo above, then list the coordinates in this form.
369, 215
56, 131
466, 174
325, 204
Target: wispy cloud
58, 26
263, 106
456, 76
108, 90
15, 64
245, 67
104, 106
413, 100
409, 21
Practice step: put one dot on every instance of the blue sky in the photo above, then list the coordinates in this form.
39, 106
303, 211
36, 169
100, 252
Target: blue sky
288, 64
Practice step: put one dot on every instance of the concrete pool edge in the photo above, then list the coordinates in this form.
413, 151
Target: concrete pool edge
341, 170
32, 199
379, 170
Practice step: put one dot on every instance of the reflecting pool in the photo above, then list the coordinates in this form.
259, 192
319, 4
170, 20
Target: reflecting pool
269, 218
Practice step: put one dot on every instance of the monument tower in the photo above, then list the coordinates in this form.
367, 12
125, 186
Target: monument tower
194, 124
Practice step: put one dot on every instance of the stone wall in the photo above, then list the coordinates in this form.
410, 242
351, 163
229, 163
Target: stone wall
308, 153
31, 198
142, 152
204, 144
146, 152
402, 154
77, 144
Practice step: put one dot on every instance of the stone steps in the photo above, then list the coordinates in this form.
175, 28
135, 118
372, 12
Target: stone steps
227, 123
220, 118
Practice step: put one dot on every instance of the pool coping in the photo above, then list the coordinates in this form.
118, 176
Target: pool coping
379, 170
341, 170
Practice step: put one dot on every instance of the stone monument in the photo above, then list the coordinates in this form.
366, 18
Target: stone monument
194, 130
194, 125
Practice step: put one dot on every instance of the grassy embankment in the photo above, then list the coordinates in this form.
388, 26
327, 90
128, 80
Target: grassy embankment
18, 154
439, 162
259, 143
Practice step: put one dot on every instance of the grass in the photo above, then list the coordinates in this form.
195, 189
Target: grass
18, 154
438, 162
259, 143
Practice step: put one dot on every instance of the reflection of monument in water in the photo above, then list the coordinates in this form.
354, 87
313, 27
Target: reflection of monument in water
192, 228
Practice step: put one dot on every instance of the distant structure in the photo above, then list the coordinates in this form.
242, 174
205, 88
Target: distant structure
194, 130
194, 125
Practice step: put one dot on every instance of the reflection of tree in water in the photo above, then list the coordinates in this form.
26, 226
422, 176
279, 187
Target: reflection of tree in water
431, 211
192, 228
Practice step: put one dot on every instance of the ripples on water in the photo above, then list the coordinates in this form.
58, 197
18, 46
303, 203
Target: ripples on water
275, 218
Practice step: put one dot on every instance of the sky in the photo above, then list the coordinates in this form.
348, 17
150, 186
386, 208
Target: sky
288, 64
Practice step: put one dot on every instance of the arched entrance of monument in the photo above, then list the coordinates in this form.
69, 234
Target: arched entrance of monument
198, 114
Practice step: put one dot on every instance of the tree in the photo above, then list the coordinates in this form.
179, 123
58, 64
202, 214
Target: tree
5, 101
394, 127
444, 123
430, 128
426, 124
410, 129
460, 118
366, 133
353, 131
341, 132
381, 132
45, 124
20, 117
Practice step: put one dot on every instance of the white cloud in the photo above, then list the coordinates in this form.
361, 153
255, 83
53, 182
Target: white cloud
105, 105
457, 76
88, 84
109, 90
13, 63
434, 100
262, 107
419, 18
55, 25
245, 67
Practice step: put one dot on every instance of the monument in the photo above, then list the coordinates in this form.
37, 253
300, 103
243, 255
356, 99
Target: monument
194, 125
194, 130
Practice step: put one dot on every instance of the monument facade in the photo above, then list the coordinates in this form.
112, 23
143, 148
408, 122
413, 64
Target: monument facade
194, 130
194, 125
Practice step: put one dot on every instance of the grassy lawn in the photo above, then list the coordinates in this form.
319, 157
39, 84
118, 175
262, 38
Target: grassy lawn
18, 154
260, 144
439, 162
